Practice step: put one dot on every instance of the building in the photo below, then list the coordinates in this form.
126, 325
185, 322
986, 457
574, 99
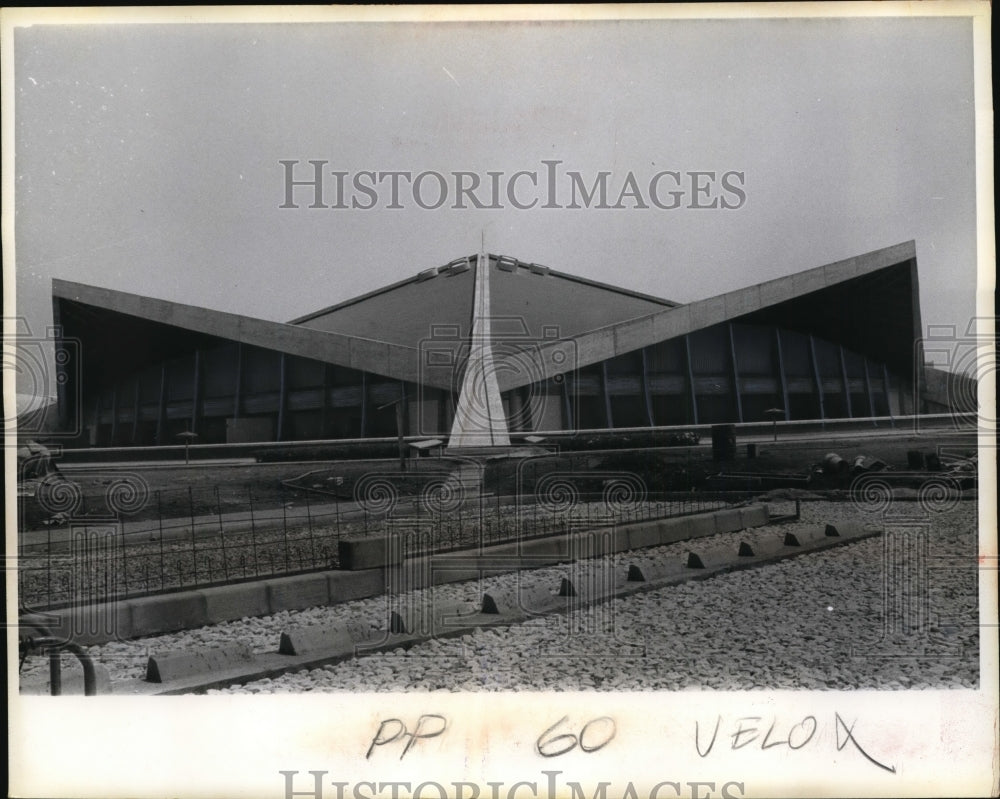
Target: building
487, 347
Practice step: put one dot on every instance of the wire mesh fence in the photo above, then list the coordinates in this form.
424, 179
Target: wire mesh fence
220, 540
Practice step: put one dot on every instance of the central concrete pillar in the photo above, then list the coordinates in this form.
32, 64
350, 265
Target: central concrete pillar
479, 418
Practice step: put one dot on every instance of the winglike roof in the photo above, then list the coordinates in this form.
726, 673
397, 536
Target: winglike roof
139, 330
870, 303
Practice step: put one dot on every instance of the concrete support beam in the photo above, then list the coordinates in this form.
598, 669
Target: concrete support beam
325, 409
781, 373
403, 413
569, 423
161, 412
238, 387
97, 419
890, 400
868, 391
885, 389
844, 381
114, 414
364, 405
136, 410
650, 416
282, 396
608, 416
692, 396
816, 377
196, 392
735, 374
513, 409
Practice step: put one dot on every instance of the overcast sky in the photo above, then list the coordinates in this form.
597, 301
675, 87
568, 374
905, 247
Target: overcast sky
148, 155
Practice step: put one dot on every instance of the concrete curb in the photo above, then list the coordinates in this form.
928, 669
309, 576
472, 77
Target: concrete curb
499, 608
172, 666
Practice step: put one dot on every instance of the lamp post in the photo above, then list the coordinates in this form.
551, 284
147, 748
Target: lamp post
774, 413
187, 435
399, 430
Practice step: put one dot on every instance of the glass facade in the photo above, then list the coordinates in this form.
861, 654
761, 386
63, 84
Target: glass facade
236, 393
730, 372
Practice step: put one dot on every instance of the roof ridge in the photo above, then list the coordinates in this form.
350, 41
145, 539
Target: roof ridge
639, 295
376, 292
495, 258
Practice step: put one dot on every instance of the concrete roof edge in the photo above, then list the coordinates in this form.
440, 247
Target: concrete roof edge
600, 344
335, 348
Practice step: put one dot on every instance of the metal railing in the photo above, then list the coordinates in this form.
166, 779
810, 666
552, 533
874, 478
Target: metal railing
54, 645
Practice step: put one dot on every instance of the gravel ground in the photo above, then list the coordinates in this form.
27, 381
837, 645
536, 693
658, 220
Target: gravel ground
811, 622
